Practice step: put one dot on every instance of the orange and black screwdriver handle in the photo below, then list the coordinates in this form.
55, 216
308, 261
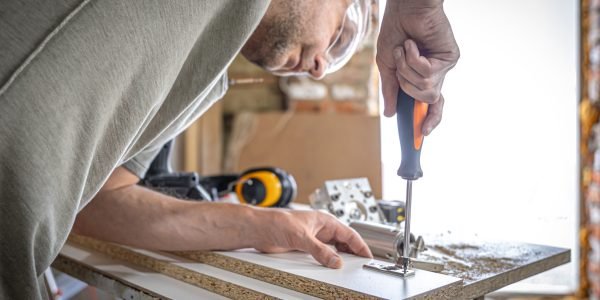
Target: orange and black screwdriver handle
410, 115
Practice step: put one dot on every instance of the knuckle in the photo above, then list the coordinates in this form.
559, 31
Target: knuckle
326, 218
426, 83
351, 239
427, 71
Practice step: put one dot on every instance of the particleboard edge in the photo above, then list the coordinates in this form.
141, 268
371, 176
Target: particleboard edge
482, 287
209, 283
102, 280
277, 277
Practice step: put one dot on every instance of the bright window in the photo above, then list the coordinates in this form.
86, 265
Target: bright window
504, 162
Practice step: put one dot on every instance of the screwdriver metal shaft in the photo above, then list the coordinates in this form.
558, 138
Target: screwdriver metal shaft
406, 250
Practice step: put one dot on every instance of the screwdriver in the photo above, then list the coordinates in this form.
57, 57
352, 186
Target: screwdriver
410, 115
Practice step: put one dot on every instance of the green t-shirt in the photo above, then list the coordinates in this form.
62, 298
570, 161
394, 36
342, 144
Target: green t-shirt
87, 86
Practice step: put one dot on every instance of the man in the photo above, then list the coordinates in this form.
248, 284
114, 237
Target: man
90, 90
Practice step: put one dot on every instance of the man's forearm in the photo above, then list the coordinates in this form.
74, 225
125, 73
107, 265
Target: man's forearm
140, 217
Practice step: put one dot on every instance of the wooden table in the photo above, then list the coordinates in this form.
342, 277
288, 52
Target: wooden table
472, 270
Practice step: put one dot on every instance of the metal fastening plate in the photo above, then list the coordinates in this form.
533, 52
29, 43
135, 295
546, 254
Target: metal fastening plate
348, 199
389, 269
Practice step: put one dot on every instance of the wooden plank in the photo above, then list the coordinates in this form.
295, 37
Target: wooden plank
489, 266
89, 264
313, 279
122, 279
206, 282
229, 276
300, 272
484, 266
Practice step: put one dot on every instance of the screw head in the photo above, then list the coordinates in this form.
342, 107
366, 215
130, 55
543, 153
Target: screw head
355, 214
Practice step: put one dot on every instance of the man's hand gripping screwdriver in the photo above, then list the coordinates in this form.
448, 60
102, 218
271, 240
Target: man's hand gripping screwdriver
410, 115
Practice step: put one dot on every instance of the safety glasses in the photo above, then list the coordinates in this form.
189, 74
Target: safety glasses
348, 37
351, 33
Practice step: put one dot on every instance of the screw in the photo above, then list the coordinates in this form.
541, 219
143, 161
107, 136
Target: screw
355, 214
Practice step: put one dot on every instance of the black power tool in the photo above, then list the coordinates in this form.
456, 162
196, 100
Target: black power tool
265, 186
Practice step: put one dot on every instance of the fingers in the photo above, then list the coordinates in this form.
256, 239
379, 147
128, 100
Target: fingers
416, 74
339, 234
323, 253
309, 231
417, 62
342, 247
434, 116
354, 242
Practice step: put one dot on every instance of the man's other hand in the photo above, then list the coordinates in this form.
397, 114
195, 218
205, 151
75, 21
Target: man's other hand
279, 230
415, 50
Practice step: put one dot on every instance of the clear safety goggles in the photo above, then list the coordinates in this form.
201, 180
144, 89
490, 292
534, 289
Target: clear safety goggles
348, 37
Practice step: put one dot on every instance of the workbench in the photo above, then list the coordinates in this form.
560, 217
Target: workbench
472, 270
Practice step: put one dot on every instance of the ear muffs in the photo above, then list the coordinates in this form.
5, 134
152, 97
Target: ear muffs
266, 187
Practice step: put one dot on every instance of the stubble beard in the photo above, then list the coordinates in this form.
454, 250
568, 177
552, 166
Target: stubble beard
282, 34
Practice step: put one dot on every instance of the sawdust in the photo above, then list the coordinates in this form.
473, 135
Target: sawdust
474, 262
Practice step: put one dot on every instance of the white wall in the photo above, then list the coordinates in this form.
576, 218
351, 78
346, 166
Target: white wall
504, 162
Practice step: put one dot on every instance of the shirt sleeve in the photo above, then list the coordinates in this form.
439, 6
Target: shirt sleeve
140, 163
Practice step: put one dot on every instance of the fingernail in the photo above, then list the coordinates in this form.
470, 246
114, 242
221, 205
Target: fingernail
334, 262
397, 54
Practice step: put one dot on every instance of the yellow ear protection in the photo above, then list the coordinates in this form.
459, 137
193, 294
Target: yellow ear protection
266, 187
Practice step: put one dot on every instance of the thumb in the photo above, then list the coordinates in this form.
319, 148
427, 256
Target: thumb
323, 254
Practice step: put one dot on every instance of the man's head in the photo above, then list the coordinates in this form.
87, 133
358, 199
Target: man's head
313, 37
